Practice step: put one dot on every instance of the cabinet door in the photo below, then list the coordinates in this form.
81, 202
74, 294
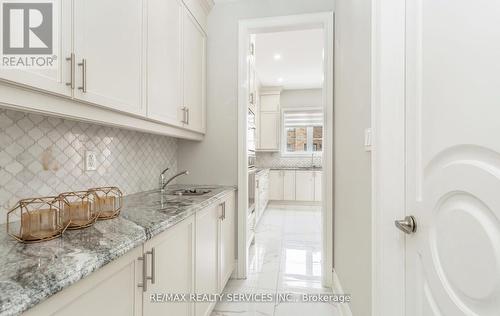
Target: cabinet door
193, 52
206, 274
164, 61
276, 185
318, 185
289, 185
269, 131
51, 79
270, 103
109, 38
227, 240
173, 269
304, 188
111, 290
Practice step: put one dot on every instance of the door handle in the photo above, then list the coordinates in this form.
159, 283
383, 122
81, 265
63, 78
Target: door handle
83, 64
187, 116
153, 265
144, 284
71, 82
408, 225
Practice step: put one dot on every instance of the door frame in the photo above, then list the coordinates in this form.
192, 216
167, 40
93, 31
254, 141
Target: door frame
388, 76
324, 20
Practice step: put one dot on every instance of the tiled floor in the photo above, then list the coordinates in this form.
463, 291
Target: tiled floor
286, 258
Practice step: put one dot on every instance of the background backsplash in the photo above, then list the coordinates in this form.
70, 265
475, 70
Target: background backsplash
41, 156
275, 160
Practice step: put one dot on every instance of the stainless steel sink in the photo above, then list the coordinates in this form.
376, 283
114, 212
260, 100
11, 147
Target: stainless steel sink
190, 192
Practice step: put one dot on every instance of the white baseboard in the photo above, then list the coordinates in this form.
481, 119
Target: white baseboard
345, 308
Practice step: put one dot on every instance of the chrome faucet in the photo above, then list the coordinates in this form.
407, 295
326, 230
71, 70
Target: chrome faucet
162, 177
185, 172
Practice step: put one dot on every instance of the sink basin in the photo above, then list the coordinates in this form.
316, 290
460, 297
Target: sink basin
190, 192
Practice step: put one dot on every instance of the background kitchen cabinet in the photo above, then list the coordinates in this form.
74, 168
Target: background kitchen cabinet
289, 185
194, 77
270, 102
304, 185
261, 193
269, 125
318, 185
54, 79
206, 266
112, 290
227, 242
276, 185
164, 86
173, 254
110, 39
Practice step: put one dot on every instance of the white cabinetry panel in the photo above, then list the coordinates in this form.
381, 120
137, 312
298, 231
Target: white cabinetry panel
289, 185
304, 190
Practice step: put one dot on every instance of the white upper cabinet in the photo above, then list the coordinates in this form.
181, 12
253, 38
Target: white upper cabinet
109, 49
164, 61
194, 81
269, 125
52, 79
270, 102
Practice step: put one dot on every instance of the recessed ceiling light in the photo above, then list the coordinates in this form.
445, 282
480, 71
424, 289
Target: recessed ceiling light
277, 56
280, 79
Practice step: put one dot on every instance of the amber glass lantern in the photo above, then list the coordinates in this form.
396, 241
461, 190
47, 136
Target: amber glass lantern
78, 209
36, 219
108, 201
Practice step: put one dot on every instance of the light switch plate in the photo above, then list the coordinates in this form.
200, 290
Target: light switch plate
90, 161
368, 139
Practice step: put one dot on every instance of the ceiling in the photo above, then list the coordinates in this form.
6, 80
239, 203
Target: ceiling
291, 59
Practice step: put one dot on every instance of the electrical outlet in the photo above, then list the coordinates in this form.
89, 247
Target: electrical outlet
90, 161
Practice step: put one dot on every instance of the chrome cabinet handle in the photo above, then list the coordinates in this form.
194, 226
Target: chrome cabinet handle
83, 64
187, 115
153, 265
184, 114
223, 210
408, 225
71, 60
144, 283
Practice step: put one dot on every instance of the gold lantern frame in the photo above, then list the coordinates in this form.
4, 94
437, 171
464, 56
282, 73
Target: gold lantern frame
78, 209
108, 202
41, 219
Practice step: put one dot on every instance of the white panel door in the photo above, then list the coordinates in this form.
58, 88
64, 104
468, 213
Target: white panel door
453, 158
276, 185
110, 39
269, 131
304, 185
289, 185
174, 269
207, 270
194, 60
318, 185
164, 61
51, 79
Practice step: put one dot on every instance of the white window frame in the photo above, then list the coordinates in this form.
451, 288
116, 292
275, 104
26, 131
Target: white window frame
284, 136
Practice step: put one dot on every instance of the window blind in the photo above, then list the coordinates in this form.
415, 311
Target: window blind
302, 118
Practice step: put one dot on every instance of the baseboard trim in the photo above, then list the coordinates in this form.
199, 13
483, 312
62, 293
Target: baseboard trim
345, 308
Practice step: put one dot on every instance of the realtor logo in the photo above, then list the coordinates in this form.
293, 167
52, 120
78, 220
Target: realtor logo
27, 34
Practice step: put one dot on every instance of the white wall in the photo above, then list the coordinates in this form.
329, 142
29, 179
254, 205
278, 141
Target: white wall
301, 98
214, 161
352, 225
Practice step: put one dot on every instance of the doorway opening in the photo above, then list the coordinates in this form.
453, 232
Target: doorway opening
285, 138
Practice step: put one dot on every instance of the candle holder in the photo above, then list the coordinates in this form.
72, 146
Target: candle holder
40, 219
108, 202
78, 209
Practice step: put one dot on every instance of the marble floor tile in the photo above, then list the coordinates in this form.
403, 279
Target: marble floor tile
286, 258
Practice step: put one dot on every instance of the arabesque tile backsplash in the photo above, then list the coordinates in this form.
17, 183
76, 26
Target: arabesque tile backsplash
276, 160
42, 156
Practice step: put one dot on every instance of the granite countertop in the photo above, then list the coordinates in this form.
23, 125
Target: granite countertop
30, 273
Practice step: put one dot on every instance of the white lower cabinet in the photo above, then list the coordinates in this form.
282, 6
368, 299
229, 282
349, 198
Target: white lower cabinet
206, 266
170, 265
276, 185
261, 193
289, 185
197, 255
110, 291
295, 185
